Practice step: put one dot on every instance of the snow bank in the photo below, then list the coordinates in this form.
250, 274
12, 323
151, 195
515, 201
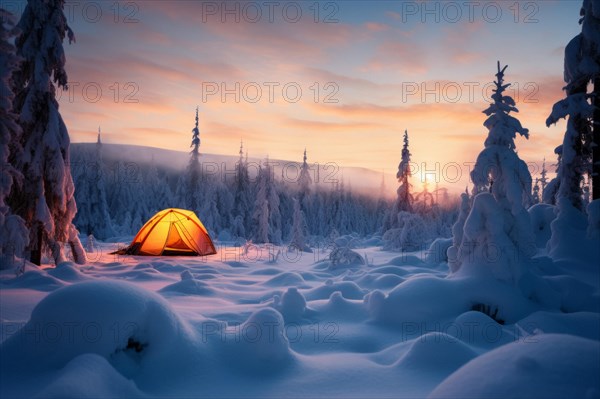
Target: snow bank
90, 376
189, 285
424, 299
119, 321
438, 249
543, 366
436, 351
348, 289
541, 216
293, 304
260, 345
570, 236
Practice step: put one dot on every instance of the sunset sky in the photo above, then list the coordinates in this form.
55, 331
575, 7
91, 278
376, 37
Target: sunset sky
370, 59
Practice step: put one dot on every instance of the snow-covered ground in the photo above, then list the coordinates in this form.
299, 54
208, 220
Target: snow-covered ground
268, 323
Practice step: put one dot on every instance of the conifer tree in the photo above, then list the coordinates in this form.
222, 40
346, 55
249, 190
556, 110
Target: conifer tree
45, 201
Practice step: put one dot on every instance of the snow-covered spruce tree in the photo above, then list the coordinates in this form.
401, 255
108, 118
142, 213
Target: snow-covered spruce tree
266, 216
156, 190
45, 201
579, 150
551, 188
125, 207
92, 216
275, 221
298, 240
497, 235
382, 206
261, 209
14, 236
241, 203
208, 210
193, 175
536, 192
404, 200
543, 177
403, 230
304, 179
458, 232
584, 68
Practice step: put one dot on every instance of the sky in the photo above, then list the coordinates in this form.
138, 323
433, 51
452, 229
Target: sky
342, 79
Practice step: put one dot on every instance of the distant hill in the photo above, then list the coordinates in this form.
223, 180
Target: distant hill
360, 180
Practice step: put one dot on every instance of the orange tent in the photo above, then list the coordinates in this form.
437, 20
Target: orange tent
172, 232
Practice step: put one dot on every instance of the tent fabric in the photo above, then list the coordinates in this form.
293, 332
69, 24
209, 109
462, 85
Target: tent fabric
172, 232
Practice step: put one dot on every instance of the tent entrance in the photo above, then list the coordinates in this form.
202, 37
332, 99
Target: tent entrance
174, 240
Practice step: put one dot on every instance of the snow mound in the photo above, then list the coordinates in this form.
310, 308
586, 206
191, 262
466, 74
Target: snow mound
437, 351
541, 216
67, 271
267, 271
261, 346
286, 279
293, 304
480, 330
382, 281
417, 300
428, 299
348, 289
395, 270
189, 285
36, 279
575, 295
405, 260
342, 257
569, 240
116, 320
438, 249
90, 376
545, 366
581, 324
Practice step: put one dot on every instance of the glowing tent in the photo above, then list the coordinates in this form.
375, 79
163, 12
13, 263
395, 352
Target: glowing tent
172, 232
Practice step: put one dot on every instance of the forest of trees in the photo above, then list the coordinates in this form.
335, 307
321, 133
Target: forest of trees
44, 203
265, 208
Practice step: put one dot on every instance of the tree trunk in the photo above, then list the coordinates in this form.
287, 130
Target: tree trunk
36, 251
596, 141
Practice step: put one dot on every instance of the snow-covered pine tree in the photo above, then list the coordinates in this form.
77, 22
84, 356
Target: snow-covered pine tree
578, 153
14, 235
260, 216
192, 194
157, 192
551, 189
241, 204
382, 205
45, 201
304, 179
275, 224
121, 197
298, 240
266, 216
92, 216
543, 177
536, 192
404, 200
498, 220
589, 70
579, 150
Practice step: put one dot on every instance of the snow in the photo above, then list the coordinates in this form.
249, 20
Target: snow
234, 325
544, 366
541, 216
